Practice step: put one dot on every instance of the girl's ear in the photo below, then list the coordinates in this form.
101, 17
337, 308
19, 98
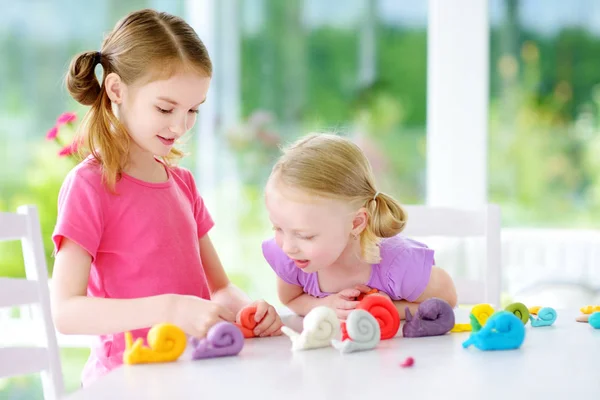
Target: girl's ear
115, 88
360, 221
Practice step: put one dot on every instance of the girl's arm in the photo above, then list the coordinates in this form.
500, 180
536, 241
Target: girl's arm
294, 298
440, 285
76, 313
223, 292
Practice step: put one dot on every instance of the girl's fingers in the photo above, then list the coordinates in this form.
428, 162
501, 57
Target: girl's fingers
362, 288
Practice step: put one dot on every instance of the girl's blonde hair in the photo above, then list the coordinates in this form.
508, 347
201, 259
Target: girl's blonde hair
334, 167
144, 44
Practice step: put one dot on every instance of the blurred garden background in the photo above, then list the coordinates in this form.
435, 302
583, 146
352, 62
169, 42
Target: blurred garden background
356, 67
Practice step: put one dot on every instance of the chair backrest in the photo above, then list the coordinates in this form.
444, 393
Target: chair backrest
24, 226
424, 221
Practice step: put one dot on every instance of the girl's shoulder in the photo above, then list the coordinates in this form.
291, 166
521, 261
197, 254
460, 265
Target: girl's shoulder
185, 176
181, 172
88, 172
405, 267
391, 247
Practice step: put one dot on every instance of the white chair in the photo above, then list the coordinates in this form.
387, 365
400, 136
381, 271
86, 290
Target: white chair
24, 226
427, 221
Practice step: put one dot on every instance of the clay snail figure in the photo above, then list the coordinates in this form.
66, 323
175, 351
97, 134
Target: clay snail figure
520, 310
502, 331
434, 317
364, 332
223, 339
479, 316
320, 327
166, 344
546, 316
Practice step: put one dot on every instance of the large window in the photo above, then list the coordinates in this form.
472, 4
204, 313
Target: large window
282, 69
353, 67
544, 109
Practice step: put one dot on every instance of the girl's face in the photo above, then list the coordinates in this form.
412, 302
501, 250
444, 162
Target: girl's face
314, 232
158, 113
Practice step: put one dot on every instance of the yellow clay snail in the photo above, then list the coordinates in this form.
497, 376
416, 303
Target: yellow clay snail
167, 343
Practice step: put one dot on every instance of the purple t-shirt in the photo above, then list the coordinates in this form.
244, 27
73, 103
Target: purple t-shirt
403, 272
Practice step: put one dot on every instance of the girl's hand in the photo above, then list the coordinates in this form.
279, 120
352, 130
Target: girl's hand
195, 316
268, 321
342, 302
364, 289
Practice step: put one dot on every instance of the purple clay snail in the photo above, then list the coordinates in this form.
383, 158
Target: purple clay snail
223, 339
434, 317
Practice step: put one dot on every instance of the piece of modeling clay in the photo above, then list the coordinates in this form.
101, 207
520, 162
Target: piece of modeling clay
166, 343
246, 321
434, 317
594, 320
223, 339
520, 311
320, 327
502, 331
546, 316
385, 313
364, 332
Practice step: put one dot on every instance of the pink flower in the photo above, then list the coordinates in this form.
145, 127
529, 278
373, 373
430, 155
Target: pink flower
52, 133
66, 118
68, 150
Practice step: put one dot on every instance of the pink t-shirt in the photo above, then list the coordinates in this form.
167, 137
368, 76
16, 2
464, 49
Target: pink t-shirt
143, 241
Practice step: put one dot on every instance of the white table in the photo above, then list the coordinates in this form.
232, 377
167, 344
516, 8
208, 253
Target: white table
562, 361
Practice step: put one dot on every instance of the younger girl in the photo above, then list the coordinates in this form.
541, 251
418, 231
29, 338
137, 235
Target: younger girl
132, 244
336, 236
